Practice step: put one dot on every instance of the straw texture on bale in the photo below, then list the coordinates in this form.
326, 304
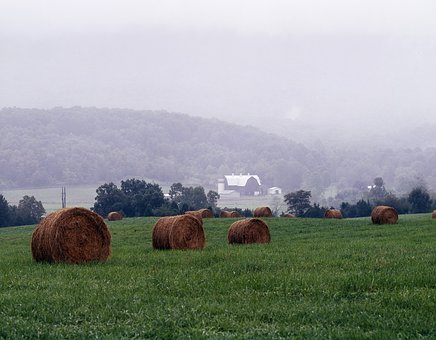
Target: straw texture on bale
196, 213
333, 213
206, 213
384, 215
178, 232
114, 216
235, 214
225, 214
230, 214
252, 230
72, 235
433, 214
262, 212
289, 215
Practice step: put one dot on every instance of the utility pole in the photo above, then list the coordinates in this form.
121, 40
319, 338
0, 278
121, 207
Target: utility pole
64, 197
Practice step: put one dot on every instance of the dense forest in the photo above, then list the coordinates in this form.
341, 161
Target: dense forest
93, 145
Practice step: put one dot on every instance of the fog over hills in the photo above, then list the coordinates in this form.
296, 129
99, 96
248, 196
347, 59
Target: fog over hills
342, 72
88, 145
347, 88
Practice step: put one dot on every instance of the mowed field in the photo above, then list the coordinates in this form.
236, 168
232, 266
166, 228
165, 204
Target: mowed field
317, 278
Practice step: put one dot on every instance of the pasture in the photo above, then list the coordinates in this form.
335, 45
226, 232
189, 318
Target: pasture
317, 278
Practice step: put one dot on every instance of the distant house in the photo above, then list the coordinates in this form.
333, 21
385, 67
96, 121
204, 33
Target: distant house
239, 185
275, 191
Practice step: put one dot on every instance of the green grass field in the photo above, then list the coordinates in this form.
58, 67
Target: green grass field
317, 279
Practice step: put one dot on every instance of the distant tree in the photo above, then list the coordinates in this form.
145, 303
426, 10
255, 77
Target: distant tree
298, 202
378, 192
363, 208
212, 198
194, 197
315, 211
419, 200
28, 211
109, 198
401, 205
176, 191
141, 197
4, 212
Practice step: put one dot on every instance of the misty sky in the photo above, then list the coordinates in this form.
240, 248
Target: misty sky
267, 63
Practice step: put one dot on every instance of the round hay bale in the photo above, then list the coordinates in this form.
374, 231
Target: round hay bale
262, 212
178, 232
288, 215
333, 213
206, 213
225, 214
230, 214
251, 230
433, 214
235, 214
115, 216
72, 235
384, 215
196, 213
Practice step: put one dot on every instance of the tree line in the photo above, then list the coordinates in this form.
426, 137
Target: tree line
137, 197
416, 201
28, 211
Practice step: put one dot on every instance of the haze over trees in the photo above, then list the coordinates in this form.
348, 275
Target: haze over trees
90, 146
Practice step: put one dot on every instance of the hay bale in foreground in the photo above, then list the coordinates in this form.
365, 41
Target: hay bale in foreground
72, 235
178, 232
262, 212
251, 230
115, 216
433, 214
333, 213
383, 214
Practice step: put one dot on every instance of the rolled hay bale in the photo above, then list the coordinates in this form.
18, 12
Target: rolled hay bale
115, 216
72, 235
178, 232
235, 214
251, 230
288, 215
230, 214
196, 213
433, 214
225, 214
206, 213
262, 212
333, 213
383, 214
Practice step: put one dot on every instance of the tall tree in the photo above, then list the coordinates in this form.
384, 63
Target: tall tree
212, 198
4, 212
109, 198
419, 200
378, 191
298, 202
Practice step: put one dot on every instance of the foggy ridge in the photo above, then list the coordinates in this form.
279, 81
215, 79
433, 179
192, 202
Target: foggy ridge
89, 145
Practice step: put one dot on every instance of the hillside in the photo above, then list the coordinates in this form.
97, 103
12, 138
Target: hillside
78, 146
88, 145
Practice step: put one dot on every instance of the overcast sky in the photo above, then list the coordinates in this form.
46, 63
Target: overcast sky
267, 63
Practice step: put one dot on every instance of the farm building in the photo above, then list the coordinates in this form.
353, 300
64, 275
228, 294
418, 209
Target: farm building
239, 185
274, 191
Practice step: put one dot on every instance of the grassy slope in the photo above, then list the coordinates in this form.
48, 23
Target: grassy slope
318, 278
